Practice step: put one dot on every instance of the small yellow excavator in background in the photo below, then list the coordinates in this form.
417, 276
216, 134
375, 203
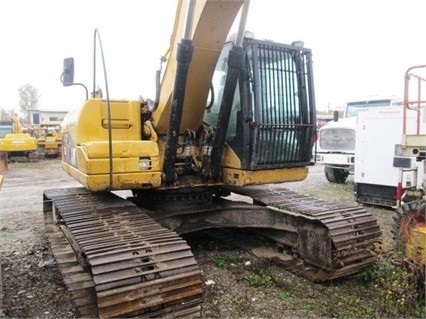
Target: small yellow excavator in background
49, 140
229, 117
18, 145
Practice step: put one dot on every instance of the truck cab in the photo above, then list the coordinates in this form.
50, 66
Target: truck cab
336, 140
6, 127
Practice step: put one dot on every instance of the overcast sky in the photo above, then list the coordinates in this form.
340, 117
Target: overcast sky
360, 47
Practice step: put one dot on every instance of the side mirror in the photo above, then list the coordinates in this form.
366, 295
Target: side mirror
67, 77
335, 116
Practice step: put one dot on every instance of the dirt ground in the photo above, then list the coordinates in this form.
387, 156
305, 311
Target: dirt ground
237, 284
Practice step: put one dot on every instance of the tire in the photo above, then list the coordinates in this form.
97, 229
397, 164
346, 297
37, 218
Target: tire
335, 175
405, 218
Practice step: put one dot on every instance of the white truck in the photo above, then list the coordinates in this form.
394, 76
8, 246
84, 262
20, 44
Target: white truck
336, 140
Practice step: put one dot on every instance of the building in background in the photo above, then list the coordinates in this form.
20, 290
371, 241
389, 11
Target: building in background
38, 117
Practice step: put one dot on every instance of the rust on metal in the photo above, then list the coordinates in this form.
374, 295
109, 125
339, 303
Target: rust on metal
117, 261
351, 231
121, 260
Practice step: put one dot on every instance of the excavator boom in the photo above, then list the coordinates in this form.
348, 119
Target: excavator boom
207, 38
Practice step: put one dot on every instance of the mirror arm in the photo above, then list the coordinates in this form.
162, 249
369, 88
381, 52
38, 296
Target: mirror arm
85, 88
70, 84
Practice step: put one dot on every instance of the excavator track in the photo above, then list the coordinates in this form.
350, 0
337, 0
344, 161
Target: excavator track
331, 240
116, 261
352, 231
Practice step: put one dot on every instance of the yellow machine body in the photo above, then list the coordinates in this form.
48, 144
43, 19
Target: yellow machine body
136, 163
49, 141
18, 142
208, 38
416, 245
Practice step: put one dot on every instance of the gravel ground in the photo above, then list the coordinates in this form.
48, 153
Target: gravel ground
237, 284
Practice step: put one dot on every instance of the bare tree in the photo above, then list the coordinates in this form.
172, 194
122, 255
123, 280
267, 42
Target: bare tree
29, 97
6, 115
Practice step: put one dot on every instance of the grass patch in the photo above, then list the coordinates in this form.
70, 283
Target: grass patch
221, 261
259, 279
284, 295
399, 285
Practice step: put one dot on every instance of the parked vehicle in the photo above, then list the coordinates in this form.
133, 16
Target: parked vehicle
18, 145
410, 155
49, 140
231, 116
336, 141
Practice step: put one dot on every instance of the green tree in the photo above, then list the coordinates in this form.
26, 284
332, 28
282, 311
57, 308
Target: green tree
29, 97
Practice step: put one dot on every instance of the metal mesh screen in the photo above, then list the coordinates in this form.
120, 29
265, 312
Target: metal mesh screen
283, 114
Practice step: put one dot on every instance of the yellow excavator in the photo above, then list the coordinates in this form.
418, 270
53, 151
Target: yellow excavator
229, 117
49, 140
18, 145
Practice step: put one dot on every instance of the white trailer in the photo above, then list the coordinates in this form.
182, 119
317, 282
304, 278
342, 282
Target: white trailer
376, 179
336, 143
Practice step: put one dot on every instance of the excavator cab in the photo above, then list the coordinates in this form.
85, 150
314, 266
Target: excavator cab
269, 126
